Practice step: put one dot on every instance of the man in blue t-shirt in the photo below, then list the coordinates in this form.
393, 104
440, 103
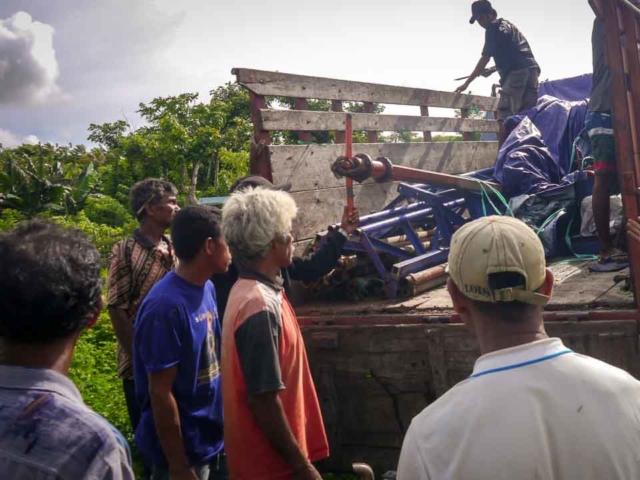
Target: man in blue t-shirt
176, 356
514, 61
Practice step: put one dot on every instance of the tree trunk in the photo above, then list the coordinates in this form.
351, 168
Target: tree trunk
192, 199
209, 170
216, 170
183, 176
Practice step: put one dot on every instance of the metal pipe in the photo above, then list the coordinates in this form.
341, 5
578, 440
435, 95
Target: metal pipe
393, 222
420, 282
361, 167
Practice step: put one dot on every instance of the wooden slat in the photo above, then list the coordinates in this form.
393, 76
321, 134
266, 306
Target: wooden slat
289, 85
372, 136
308, 167
336, 106
424, 111
313, 121
303, 134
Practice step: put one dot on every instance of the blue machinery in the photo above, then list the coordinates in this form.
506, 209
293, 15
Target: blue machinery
423, 211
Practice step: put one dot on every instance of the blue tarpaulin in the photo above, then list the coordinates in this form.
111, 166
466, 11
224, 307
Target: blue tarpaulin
572, 89
538, 152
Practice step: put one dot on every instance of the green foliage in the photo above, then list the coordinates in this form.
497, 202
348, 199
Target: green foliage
184, 140
94, 371
103, 236
46, 178
106, 210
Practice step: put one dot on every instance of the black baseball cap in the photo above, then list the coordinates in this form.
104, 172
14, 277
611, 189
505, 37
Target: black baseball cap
253, 181
481, 7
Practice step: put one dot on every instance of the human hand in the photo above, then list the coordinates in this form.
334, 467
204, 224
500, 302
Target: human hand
308, 472
462, 87
351, 222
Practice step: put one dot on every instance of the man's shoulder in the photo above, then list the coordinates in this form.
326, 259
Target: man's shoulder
602, 373
69, 433
165, 296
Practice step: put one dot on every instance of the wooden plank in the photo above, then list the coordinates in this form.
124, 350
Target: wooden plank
324, 207
259, 158
308, 167
466, 136
303, 134
372, 136
336, 106
424, 111
290, 85
305, 120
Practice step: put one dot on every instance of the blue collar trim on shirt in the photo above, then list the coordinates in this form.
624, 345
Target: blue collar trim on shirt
518, 365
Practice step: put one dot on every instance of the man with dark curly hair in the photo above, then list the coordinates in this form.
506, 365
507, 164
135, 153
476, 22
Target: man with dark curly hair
137, 264
50, 291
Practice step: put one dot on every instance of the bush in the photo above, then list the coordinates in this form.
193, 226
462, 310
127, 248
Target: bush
94, 371
103, 236
105, 210
9, 218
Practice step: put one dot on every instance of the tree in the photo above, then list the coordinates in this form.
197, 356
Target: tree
181, 136
45, 177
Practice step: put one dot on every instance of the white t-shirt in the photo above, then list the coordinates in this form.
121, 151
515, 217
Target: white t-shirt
536, 411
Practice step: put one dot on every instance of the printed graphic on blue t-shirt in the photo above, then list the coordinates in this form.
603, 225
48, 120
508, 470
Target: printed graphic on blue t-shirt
178, 326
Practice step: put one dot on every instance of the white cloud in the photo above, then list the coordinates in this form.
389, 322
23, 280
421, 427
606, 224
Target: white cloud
9, 139
28, 64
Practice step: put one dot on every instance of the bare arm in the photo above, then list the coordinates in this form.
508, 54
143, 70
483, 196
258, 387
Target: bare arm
478, 71
270, 416
167, 421
123, 328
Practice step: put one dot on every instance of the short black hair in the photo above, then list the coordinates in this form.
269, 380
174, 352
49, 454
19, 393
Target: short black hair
506, 311
50, 283
192, 226
148, 192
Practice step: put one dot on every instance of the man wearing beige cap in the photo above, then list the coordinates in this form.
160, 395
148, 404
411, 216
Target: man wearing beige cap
532, 409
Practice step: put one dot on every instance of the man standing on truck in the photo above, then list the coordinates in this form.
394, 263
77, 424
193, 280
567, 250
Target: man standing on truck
304, 269
273, 423
599, 126
514, 61
532, 408
137, 264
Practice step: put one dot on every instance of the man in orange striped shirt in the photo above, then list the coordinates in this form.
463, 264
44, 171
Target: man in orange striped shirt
273, 424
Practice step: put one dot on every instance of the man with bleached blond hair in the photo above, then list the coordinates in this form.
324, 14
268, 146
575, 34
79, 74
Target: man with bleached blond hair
273, 424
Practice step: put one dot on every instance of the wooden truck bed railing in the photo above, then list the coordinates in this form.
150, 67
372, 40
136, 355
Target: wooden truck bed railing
319, 195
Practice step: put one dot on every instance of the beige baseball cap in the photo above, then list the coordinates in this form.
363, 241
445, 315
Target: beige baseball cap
494, 245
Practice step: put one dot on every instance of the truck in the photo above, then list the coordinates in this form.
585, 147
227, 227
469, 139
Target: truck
377, 363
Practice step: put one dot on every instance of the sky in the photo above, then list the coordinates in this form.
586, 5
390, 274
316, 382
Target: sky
65, 64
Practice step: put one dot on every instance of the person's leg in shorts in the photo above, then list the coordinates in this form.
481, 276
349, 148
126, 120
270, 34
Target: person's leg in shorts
511, 95
530, 95
600, 129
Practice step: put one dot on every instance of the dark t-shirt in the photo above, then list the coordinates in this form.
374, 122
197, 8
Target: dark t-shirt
600, 100
177, 325
508, 47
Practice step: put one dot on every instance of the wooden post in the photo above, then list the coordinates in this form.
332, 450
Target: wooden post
336, 106
372, 137
259, 157
301, 104
424, 111
466, 136
622, 125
